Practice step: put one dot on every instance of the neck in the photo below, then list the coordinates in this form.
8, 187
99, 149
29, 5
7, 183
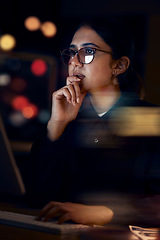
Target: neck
104, 98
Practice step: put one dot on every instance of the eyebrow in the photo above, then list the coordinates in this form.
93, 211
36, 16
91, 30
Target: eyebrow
84, 45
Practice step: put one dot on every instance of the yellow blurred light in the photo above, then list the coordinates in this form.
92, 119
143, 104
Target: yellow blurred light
7, 42
136, 121
48, 29
32, 23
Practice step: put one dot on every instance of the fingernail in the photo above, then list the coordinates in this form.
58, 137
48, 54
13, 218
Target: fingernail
78, 100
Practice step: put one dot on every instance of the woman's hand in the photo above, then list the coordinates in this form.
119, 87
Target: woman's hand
78, 213
65, 106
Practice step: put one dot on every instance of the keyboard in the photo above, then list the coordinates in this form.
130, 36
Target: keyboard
29, 222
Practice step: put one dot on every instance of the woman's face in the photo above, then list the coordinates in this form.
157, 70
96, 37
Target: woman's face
98, 73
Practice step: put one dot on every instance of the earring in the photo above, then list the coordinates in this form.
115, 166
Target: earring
114, 82
114, 73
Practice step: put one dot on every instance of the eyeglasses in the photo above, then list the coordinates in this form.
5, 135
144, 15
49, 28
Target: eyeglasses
85, 55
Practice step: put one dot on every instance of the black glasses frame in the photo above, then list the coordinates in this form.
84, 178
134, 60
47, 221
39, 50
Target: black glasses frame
77, 52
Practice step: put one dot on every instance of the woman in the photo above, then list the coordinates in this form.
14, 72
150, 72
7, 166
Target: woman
80, 164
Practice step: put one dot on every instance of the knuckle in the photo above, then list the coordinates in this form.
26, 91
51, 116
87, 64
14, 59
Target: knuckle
69, 80
65, 90
69, 215
51, 203
70, 86
54, 94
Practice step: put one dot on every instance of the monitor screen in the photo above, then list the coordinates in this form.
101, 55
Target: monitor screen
10, 178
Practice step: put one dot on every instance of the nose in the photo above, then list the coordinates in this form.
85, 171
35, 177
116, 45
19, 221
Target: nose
75, 61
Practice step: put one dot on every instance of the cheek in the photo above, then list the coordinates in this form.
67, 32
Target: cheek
100, 70
69, 70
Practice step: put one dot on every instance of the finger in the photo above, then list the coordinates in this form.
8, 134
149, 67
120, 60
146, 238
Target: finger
53, 212
63, 93
77, 91
64, 218
72, 91
45, 210
72, 79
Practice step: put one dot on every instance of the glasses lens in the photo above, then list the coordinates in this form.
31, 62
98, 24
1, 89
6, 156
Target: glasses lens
67, 55
86, 55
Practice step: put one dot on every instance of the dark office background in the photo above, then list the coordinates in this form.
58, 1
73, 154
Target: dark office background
142, 16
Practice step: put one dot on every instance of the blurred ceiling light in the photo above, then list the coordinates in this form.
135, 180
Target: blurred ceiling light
30, 111
38, 67
32, 23
20, 102
49, 29
7, 42
5, 80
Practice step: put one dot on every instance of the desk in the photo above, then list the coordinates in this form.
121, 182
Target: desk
104, 233
14, 233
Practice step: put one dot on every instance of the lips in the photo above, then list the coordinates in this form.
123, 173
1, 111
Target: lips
79, 75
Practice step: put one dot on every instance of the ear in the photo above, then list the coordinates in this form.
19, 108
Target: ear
122, 65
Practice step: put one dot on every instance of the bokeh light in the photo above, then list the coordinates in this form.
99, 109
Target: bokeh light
20, 102
49, 29
5, 80
32, 23
7, 42
44, 116
30, 111
27, 109
38, 67
18, 84
17, 119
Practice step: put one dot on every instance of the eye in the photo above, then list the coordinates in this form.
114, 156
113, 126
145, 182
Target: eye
70, 52
89, 51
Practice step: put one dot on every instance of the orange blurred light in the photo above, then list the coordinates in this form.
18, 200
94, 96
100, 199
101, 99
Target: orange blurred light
32, 23
49, 29
20, 102
30, 111
38, 67
7, 42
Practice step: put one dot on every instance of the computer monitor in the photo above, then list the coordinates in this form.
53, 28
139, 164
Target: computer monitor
27, 81
10, 178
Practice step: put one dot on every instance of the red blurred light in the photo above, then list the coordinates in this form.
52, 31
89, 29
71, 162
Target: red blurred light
18, 84
30, 111
19, 103
38, 67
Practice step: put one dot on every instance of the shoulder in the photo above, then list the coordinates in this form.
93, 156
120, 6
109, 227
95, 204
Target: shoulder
133, 100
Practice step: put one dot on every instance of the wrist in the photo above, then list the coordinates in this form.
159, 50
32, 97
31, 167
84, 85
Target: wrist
55, 129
